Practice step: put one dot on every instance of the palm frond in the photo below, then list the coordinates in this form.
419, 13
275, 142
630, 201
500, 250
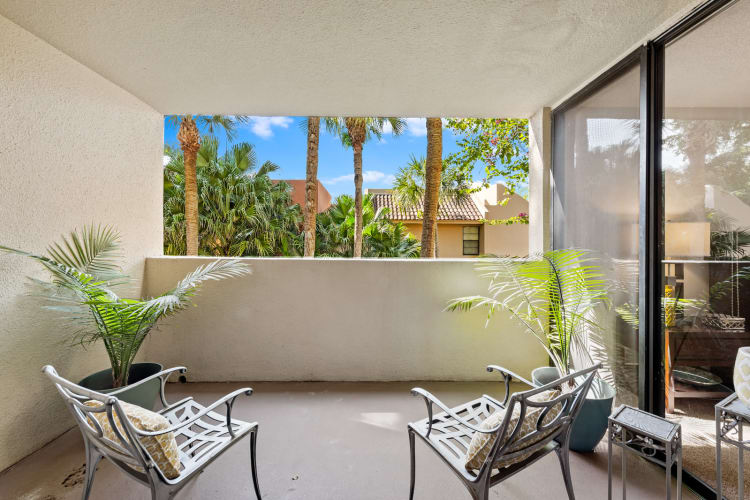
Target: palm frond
179, 297
95, 251
94, 313
553, 295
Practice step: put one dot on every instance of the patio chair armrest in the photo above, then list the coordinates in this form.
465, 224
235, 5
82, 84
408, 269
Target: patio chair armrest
227, 400
430, 400
163, 375
507, 377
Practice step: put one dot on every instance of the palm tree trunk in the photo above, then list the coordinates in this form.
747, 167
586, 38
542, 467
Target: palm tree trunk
357, 199
190, 142
311, 184
433, 169
437, 247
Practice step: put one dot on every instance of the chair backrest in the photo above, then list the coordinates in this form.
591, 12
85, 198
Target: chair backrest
125, 450
550, 418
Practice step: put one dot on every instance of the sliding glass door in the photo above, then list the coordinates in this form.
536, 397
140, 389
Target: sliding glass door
651, 172
596, 164
705, 160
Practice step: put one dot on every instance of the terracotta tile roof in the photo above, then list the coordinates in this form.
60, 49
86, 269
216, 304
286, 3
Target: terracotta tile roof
465, 209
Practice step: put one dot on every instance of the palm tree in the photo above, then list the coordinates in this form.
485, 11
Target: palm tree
190, 142
243, 211
85, 267
355, 131
388, 239
311, 184
381, 237
409, 187
433, 169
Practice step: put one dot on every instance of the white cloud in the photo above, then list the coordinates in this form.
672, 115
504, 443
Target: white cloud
165, 160
416, 126
262, 126
341, 178
375, 176
369, 176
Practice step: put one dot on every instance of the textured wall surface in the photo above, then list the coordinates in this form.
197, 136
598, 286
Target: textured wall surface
335, 319
540, 189
75, 149
499, 239
504, 58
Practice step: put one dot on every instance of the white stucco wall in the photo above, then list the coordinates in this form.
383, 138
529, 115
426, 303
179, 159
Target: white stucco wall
335, 319
540, 188
499, 239
74, 149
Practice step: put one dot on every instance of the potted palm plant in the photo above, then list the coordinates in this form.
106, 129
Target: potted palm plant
556, 297
85, 269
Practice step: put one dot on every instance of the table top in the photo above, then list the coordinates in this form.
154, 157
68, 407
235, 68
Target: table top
645, 423
732, 404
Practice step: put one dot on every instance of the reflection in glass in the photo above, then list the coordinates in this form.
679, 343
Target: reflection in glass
706, 164
596, 165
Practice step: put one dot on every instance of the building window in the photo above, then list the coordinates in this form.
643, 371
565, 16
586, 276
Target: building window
471, 240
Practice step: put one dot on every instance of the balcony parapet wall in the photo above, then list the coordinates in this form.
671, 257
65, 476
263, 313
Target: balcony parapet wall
335, 320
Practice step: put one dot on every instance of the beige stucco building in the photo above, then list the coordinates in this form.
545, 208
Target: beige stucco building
464, 226
298, 194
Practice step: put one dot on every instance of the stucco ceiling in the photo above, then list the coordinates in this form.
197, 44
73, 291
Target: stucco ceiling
344, 57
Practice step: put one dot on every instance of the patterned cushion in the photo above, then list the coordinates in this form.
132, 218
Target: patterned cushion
481, 443
162, 448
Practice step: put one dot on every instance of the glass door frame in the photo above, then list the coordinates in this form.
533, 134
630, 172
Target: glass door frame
650, 57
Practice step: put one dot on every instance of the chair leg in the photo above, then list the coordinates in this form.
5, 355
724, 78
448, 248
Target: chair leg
484, 491
413, 464
92, 460
253, 465
480, 490
563, 454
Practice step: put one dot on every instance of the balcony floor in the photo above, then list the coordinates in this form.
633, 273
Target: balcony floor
325, 441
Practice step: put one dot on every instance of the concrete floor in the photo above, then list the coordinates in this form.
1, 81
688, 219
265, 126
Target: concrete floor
325, 441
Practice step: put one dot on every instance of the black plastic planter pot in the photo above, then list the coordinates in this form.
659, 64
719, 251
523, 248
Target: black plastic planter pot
143, 395
591, 424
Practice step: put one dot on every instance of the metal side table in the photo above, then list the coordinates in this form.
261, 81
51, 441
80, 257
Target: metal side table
646, 435
731, 414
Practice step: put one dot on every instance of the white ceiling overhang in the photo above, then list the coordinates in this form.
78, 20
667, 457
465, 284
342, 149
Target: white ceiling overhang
386, 57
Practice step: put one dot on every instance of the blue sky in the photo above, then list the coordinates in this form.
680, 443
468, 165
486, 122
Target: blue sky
281, 140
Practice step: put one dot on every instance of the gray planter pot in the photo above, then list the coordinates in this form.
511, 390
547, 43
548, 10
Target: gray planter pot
143, 396
591, 425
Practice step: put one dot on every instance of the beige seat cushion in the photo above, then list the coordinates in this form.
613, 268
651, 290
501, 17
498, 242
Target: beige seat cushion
162, 448
481, 443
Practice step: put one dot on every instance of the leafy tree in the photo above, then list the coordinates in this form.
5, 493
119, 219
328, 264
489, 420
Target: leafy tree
190, 142
243, 212
354, 131
409, 186
731, 167
381, 237
716, 152
500, 144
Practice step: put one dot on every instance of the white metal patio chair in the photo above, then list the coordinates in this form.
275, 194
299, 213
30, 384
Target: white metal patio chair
202, 435
449, 433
